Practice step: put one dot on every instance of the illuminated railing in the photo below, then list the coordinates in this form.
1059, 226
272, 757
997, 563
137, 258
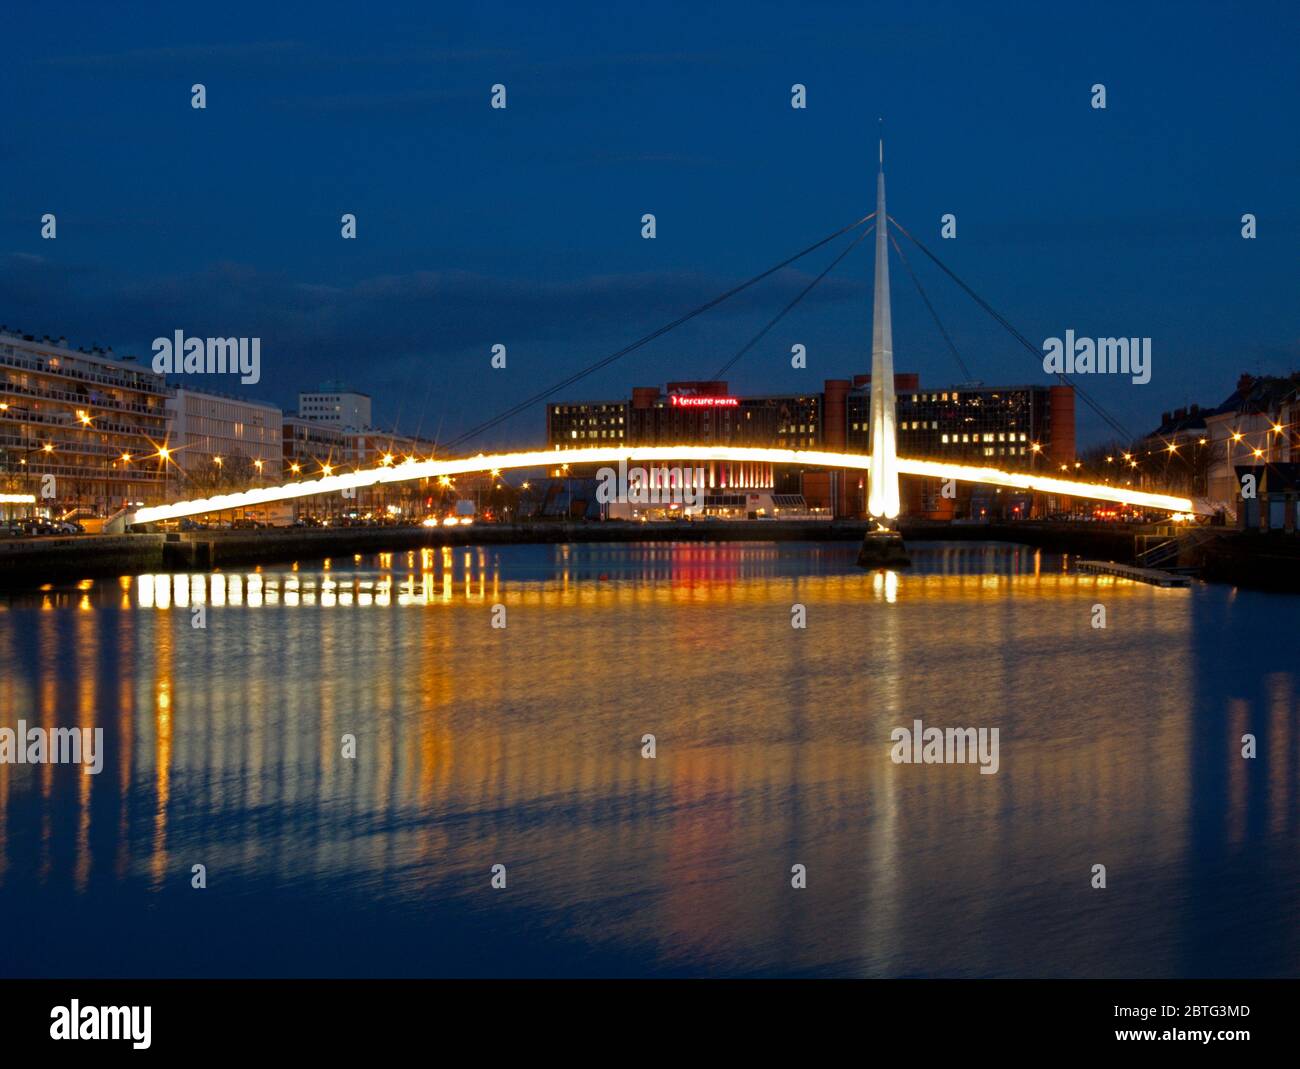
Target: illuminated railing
653, 455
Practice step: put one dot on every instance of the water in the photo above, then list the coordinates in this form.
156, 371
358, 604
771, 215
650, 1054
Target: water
522, 747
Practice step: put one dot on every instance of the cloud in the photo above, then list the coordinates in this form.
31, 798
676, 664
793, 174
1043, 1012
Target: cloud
400, 330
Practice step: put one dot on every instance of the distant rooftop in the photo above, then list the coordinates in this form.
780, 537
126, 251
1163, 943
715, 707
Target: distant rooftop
95, 351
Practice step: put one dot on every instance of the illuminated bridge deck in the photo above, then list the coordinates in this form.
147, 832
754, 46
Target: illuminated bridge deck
658, 455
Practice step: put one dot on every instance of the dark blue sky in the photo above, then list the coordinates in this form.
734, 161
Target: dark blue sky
522, 226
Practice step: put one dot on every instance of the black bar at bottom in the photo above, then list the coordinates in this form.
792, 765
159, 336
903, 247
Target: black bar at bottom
350, 1017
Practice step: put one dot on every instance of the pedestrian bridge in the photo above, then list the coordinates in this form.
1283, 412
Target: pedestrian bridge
657, 455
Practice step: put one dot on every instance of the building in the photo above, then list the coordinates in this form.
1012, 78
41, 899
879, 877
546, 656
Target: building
1259, 423
999, 426
371, 447
1176, 455
80, 429
336, 405
314, 448
311, 447
218, 441
1271, 505
1018, 427
1027, 427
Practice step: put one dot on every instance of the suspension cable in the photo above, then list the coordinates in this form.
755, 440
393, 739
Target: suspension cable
1094, 405
542, 395
933, 314
802, 294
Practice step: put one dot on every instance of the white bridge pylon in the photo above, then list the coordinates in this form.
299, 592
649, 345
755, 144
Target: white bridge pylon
657, 455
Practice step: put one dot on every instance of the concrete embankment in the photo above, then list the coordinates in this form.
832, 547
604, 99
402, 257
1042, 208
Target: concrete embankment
34, 561
40, 560
1266, 561
1104, 541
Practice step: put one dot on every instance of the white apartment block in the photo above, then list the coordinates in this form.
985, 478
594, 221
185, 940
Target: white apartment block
207, 426
337, 406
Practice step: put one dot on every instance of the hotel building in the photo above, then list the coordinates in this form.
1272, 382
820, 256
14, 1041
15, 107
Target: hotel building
1017, 427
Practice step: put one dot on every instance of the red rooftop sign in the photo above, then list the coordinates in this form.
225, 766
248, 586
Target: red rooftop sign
678, 401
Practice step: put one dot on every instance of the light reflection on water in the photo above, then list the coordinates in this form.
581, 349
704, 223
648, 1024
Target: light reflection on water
521, 746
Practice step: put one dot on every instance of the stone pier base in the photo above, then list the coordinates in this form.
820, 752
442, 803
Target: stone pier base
883, 549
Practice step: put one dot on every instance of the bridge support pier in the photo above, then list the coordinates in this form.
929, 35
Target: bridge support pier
883, 548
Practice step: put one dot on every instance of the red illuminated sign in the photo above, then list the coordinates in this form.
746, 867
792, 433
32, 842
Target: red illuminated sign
679, 401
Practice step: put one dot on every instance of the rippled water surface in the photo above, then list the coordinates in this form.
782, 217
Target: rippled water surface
479, 746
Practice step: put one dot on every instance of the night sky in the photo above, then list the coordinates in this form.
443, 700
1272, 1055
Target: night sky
523, 227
